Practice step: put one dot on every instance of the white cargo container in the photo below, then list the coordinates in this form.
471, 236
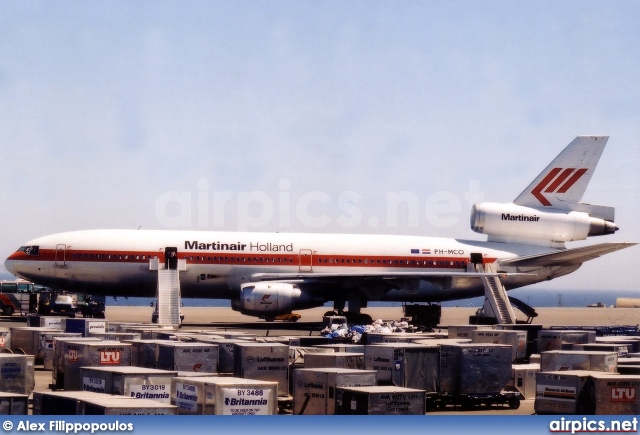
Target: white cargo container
60, 353
621, 349
77, 354
218, 395
632, 343
47, 344
578, 360
181, 356
263, 361
392, 337
561, 392
554, 339
117, 336
524, 379
136, 382
314, 390
380, 400
613, 394
465, 331
45, 321
516, 339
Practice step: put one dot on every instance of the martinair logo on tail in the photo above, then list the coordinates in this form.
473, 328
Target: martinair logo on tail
554, 183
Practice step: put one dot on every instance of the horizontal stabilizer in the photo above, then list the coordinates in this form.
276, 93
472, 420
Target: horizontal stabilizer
566, 257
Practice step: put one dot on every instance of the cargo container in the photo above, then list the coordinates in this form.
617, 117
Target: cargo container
117, 336
234, 335
124, 406
629, 369
121, 326
632, 343
613, 394
62, 402
628, 361
47, 344
144, 353
465, 331
380, 400
342, 347
147, 331
345, 360
14, 404
136, 382
76, 354
84, 326
5, 339
621, 349
578, 360
561, 392
45, 321
524, 379
226, 352
391, 337
181, 356
60, 353
26, 340
554, 339
263, 361
406, 365
516, 339
314, 390
218, 395
17, 373
474, 368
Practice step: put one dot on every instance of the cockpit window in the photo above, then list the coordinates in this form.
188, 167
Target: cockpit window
30, 250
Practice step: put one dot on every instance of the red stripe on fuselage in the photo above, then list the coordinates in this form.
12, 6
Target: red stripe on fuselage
245, 259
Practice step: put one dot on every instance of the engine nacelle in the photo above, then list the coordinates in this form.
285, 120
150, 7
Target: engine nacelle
515, 223
273, 298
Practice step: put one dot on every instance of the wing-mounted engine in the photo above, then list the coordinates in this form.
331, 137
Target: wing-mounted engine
273, 298
519, 224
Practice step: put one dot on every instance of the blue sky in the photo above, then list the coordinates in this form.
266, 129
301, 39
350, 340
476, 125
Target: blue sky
228, 115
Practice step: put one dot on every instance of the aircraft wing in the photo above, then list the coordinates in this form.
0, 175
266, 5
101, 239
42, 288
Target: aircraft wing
566, 257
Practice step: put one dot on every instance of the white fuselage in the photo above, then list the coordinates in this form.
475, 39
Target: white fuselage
117, 262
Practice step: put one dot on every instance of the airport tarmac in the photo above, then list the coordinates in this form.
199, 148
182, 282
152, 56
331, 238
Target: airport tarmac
554, 316
450, 316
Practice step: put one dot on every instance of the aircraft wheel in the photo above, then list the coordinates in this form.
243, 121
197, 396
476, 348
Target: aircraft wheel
7, 310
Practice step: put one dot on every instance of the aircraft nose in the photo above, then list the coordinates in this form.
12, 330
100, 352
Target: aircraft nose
10, 263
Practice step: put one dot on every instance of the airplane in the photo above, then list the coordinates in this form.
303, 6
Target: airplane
268, 274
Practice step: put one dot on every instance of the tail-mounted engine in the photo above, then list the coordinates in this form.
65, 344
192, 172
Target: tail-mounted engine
515, 223
273, 298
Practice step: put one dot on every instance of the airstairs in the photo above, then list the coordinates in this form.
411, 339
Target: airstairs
168, 297
496, 298
168, 303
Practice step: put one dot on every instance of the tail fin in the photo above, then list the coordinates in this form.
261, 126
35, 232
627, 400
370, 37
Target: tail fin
564, 181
